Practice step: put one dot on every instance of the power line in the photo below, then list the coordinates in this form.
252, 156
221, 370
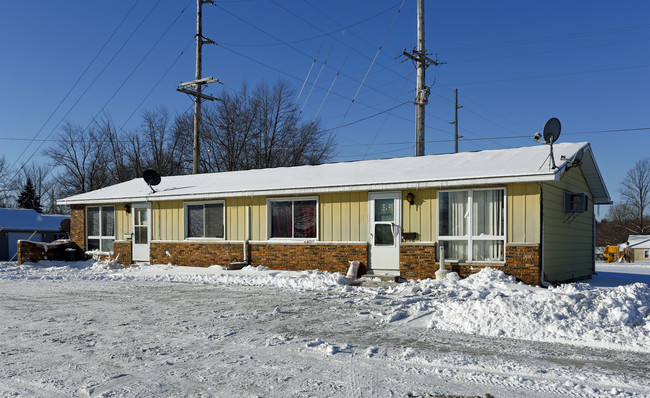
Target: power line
324, 34
110, 37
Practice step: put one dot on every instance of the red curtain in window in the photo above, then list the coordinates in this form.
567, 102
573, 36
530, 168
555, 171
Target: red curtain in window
304, 214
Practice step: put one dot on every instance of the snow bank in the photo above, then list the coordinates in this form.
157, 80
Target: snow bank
111, 270
489, 303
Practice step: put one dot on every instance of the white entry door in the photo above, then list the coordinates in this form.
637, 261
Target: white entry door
141, 231
385, 231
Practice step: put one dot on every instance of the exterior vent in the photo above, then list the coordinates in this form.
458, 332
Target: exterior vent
576, 202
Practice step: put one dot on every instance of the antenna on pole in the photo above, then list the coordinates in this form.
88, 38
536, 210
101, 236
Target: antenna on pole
194, 87
422, 61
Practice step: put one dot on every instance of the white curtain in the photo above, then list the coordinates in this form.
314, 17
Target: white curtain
488, 220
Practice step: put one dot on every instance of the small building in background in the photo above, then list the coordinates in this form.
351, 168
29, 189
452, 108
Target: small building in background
27, 224
639, 247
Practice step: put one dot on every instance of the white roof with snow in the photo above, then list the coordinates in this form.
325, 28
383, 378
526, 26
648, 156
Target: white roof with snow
501, 166
639, 241
29, 220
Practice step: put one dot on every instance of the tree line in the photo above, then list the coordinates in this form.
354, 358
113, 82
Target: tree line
630, 215
254, 127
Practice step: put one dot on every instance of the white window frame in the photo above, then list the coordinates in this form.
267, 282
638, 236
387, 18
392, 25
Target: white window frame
269, 201
469, 238
100, 237
203, 203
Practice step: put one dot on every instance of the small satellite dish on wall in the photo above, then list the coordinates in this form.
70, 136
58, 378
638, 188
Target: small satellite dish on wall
65, 225
576, 160
152, 178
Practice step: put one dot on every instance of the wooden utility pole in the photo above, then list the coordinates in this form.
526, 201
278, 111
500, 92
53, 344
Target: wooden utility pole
419, 56
455, 122
195, 87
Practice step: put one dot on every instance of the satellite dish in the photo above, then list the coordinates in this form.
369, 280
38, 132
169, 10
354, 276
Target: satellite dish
552, 130
576, 160
65, 225
151, 177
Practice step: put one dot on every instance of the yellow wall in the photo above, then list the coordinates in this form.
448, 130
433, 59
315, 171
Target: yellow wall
522, 206
422, 216
523, 221
344, 216
568, 243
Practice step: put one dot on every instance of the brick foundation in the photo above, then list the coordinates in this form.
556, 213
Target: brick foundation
195, 254
523, 261
417, 260
34, 252
122, 251
332, 257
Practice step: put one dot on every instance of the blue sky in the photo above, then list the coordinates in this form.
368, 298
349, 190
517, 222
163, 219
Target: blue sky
515, 64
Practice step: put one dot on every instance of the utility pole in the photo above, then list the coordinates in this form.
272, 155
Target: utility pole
419, 56
195, 87
455, 122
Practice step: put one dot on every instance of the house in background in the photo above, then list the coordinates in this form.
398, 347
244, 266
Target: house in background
639, 247
508, 209
27, 224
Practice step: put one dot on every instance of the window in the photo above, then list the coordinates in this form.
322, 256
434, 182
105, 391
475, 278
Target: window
293, 218
646, 254
100, 228
471, 224
205, 219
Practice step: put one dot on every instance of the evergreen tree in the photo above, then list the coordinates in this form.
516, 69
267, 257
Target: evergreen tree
28, 198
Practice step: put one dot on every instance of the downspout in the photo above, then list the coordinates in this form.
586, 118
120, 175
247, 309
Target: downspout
541, 240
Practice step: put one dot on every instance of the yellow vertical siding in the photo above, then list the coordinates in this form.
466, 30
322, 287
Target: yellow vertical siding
568, 242
421, 216
343, 216
523, 207
167, 223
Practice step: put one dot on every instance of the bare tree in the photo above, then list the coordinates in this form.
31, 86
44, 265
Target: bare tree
635, 192
260, 129
81, 157
7, 188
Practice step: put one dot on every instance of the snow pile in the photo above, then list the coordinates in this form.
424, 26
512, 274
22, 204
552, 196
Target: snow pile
111, 270
491, 303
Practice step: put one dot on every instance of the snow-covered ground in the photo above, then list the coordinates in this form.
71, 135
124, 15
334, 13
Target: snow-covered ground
89, 329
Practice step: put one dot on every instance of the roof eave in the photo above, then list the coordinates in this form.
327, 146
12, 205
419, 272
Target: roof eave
438, 184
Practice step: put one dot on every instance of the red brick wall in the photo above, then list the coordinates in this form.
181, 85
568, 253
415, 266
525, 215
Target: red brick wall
122, 248
78, 225
34, 252
203, 254
417, 261
308, 256
522, 261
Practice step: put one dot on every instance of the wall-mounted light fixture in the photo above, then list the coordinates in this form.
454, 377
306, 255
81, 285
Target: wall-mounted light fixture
127, 208
410, 198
